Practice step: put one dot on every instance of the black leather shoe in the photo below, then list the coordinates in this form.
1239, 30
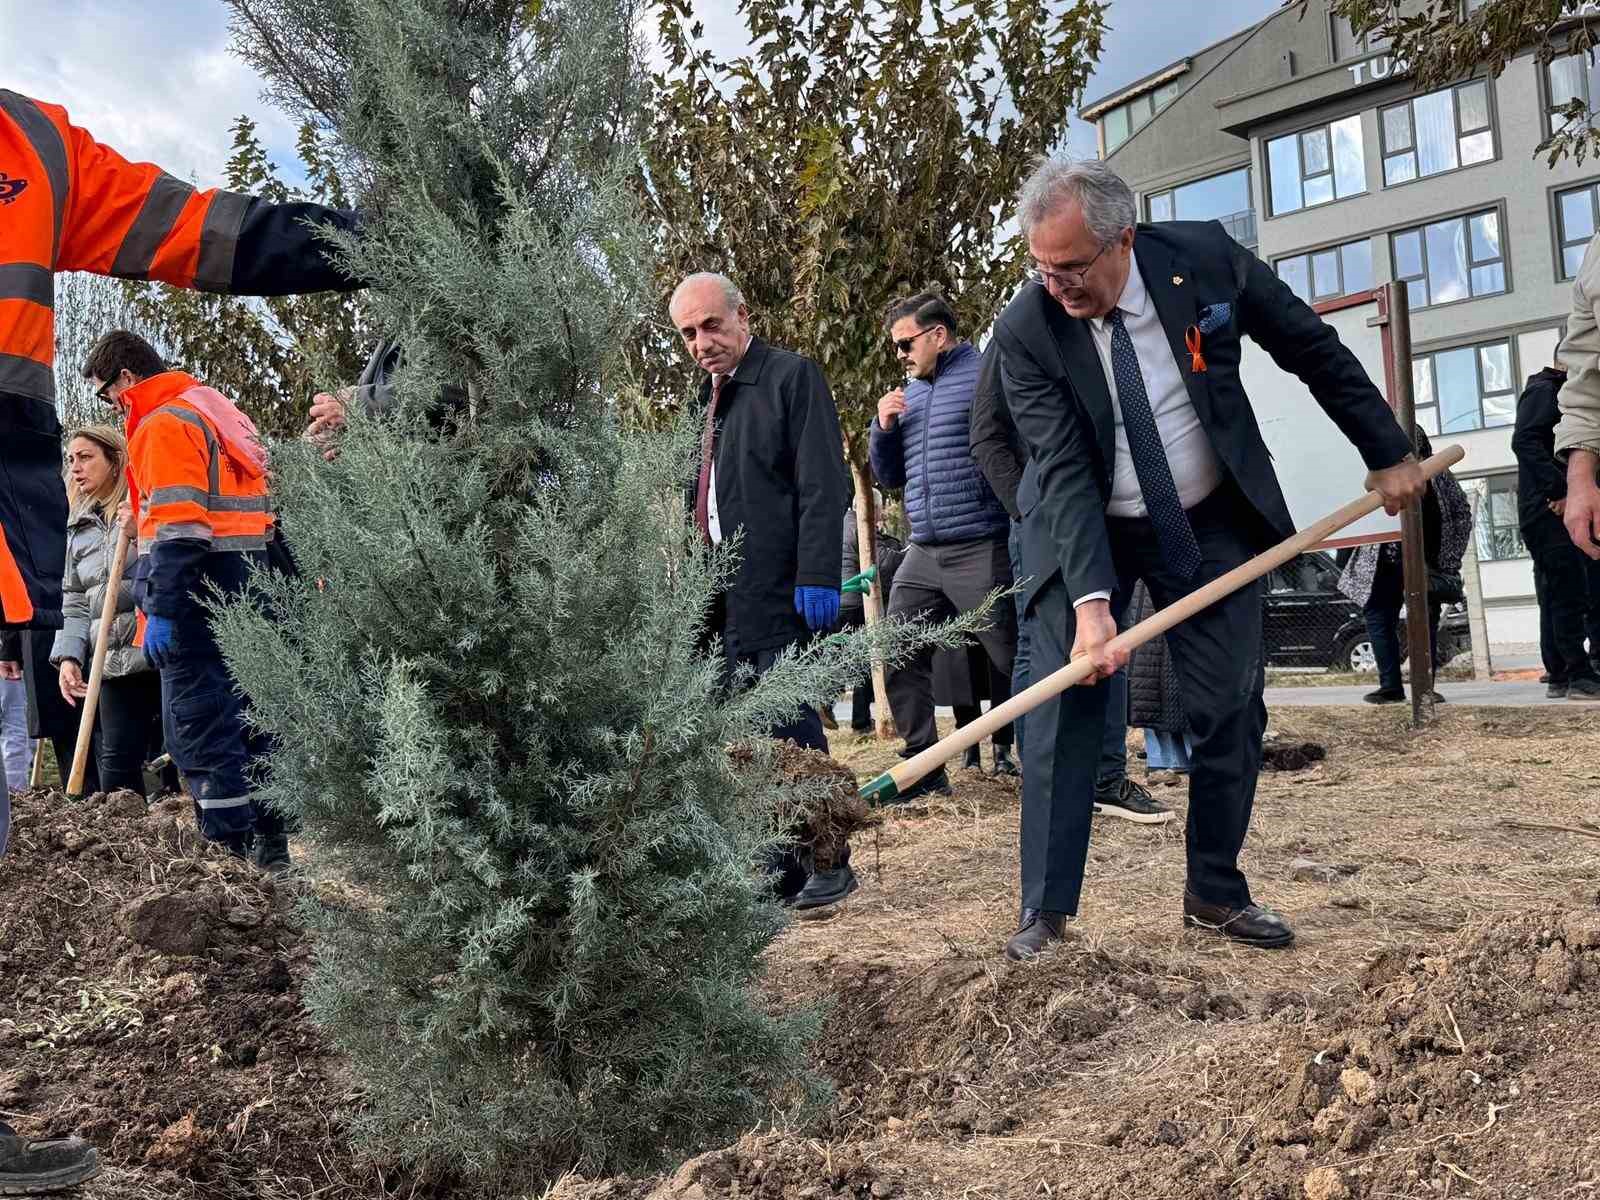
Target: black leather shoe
1556, 691
33, 1168
934, 783
271, 853
1253, 926
826, 887
1004, 764
1386, 696
1034, 933
1126, 799
972, 760
1583, 687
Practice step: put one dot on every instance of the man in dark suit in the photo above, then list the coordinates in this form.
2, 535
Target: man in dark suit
1560, 571
1120, 362
771, 464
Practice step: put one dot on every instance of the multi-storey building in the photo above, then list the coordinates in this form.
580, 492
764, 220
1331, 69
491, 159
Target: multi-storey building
1316, 149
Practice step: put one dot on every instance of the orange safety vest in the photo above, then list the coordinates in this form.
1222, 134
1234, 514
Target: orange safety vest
194, 468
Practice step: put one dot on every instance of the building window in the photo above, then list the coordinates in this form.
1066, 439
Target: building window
1224, 198
1119, 124
1451, 260
1438, 132
1327, 274
1575, 217
1472, 387
1498, 531
1317, 166
1572, 77
1347, 45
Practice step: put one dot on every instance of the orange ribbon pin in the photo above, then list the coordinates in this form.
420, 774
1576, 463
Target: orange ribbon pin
1191, 339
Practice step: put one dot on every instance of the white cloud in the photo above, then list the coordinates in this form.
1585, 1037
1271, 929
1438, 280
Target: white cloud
153, 80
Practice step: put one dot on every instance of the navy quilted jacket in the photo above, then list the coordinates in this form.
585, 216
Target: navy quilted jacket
928, 452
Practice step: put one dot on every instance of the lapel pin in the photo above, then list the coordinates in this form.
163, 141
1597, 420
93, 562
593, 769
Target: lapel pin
1177, 281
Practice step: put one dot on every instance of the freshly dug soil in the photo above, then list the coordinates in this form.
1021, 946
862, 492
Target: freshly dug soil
1431, 1034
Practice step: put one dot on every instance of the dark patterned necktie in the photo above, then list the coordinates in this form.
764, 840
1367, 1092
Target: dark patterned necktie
702, 491
1173, 531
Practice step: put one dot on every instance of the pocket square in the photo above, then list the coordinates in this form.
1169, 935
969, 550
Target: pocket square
1214, 316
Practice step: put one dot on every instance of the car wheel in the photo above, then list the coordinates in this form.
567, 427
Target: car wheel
1356, 655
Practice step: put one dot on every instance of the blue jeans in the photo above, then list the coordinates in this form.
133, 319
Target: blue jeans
1166, 751
1114, 749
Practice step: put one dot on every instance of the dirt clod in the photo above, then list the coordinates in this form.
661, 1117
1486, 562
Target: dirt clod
1325, 1183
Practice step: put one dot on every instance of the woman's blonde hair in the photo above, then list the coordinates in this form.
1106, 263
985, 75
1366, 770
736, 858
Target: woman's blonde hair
115, 447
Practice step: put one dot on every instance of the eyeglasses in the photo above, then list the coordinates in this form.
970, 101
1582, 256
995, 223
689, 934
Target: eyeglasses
903, 345
1063, 279
100, 393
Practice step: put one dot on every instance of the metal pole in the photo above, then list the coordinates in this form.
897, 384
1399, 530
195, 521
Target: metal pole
1412, 552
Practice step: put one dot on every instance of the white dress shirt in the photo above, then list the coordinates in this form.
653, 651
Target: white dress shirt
1195, 468
713, 522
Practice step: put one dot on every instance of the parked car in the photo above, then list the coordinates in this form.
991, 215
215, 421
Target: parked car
1308, 622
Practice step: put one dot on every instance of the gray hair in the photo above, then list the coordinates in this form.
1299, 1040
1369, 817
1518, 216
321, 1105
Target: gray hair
730, 290
1107, 202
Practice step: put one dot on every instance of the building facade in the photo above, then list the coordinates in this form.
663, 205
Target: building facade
1318, 152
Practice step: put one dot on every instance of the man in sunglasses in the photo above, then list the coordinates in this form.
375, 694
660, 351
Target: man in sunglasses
958, 551
1121, 368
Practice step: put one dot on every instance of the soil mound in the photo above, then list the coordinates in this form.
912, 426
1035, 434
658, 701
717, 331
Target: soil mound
149, 999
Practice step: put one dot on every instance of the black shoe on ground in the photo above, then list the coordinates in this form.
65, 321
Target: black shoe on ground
825, 888
271, 854
1556, 691
1584, 687
35, 1168
1386, 696
1035, 931
1131, 802
972, 760
1004, 764
1252, 925
863, 730
934, 783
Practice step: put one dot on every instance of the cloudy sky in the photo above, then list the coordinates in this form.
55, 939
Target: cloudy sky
155, 79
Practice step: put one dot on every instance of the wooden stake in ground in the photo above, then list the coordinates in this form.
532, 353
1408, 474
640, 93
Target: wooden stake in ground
891, 783
91, 701
36, 776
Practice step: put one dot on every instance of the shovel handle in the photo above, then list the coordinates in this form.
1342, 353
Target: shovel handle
891, 783
102, 642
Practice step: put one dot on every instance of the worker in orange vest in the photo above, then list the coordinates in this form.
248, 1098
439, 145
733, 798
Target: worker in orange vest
68, 203
198, 485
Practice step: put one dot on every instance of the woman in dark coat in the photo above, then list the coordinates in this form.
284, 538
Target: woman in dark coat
1154, 702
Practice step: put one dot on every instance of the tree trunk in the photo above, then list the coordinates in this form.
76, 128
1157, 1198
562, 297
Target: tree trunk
872, 601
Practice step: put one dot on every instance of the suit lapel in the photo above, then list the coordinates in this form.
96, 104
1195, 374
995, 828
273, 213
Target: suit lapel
1084, 369
1170, 286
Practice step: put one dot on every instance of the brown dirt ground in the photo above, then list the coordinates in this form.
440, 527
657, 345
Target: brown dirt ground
1432, 1034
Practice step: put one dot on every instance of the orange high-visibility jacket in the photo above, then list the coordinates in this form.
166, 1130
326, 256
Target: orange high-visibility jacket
68, 203
198, 482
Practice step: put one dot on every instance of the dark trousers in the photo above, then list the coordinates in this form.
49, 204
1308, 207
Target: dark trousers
1591, 613
129, 729
855, 617
1382, 615
936, 583
1114, 748
789, 865
203, 717
1560, 580
1216, 657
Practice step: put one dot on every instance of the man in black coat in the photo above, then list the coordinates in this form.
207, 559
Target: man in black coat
1560, 571
1121, 368
771, 465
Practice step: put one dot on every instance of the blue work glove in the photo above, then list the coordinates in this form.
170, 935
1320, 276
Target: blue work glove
158, 640
818, 605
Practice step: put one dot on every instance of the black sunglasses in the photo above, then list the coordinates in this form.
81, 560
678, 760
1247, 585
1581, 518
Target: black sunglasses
903, 345
100, 392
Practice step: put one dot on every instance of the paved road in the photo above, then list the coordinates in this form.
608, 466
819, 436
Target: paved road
1507, 694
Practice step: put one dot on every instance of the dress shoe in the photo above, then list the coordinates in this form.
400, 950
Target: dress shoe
1131, 802
1252, 925
1556, 691
1004, 764
972, 760
1386, 696
826, 887
1583, 687
1034, 933
934, 783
